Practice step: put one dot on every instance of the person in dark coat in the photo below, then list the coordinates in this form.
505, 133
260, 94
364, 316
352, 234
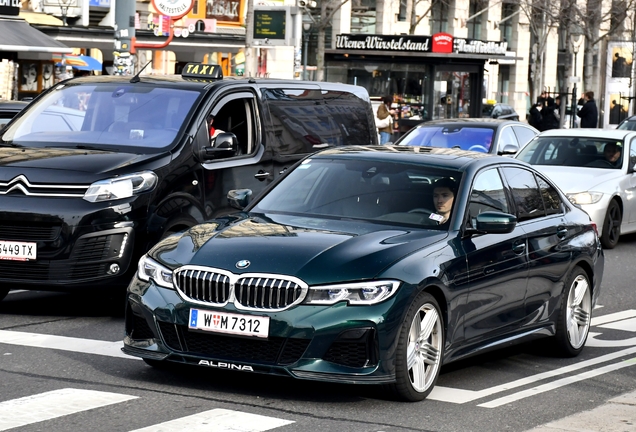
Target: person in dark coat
589, 112
549, 116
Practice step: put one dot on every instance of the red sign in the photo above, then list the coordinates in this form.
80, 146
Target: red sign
442, 43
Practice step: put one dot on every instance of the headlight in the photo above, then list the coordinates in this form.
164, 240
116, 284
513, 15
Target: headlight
151, 269
363, 293
585, 197
121, 187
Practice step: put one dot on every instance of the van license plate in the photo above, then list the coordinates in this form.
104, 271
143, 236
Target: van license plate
18, 251
222, 322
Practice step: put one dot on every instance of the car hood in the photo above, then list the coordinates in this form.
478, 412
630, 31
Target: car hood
577, 179
63, 165
315, 250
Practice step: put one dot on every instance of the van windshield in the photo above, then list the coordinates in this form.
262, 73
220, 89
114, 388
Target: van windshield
103, 115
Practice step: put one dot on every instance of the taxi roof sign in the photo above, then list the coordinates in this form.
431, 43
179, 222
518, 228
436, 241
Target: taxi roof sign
202, 71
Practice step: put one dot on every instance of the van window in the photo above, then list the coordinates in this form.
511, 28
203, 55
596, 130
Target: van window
307, 120
236, 113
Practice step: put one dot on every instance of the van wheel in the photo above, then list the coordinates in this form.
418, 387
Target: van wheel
176, 224
3, 293
612, 225
418, 356
573, 324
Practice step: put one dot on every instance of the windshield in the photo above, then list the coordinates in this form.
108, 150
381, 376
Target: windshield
628, 124
103, 115
377, 191
465, 138
574, 152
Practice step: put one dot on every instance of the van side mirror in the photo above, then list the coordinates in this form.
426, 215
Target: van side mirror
224, 145
239, 198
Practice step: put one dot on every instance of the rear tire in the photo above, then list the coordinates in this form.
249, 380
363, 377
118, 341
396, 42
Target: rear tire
612, 225
573, 324
418, 357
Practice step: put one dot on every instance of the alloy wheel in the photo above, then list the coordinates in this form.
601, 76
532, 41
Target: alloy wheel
424, 348
579, 311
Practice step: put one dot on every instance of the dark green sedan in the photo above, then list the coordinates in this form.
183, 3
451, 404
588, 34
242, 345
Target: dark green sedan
372, 265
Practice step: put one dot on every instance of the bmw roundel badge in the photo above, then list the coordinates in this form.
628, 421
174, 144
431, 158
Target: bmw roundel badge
242, 264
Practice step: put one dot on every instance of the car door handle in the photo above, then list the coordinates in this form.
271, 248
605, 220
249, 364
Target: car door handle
519, 248
261, 175
562, 232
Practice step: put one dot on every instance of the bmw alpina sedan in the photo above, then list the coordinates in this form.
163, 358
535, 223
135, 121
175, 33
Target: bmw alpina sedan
595, 169
372, 265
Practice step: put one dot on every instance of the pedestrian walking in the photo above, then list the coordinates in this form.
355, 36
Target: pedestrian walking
589, 111
383, 121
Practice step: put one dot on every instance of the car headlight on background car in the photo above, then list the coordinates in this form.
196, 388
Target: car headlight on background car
361, 293
121, 187
151, 269
585, 197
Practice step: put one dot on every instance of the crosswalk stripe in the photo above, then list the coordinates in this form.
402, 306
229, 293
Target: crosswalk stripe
218, 420
65, 343
57, 403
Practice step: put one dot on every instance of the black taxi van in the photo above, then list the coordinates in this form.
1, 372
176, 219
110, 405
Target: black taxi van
98, 169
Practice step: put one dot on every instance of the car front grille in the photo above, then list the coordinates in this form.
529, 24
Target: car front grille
280, 351
259, 292
20, 185
28, 232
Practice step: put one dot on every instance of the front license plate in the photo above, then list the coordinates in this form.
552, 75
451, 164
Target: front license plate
222, 322
18, 251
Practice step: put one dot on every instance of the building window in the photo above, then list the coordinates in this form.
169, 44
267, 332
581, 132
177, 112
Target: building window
503, 84
474, 25
363, 16
439, 16
402, 12
507, 12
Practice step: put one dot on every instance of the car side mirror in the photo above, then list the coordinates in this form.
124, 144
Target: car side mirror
224, 145
509, 149
239, 198
495, 223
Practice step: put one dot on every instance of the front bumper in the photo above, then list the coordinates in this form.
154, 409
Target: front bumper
79, 244
336, 343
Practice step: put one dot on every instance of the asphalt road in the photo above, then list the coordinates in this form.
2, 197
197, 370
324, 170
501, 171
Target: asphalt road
61, 369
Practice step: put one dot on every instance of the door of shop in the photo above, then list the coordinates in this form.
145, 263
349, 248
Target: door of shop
457, 91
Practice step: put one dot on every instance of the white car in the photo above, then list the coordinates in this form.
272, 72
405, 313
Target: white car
583, 163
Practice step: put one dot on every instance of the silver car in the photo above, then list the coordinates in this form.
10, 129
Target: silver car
595, 169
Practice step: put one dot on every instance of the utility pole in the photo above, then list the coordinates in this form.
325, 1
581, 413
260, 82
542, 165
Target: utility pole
250, 58
124, 35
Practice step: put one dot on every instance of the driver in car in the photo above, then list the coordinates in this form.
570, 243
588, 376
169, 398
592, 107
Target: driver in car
612, 153
443, 197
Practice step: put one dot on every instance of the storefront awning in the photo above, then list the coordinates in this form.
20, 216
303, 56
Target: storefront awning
19, 36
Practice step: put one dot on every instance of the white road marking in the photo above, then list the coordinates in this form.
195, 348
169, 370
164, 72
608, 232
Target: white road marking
46, 406
604, 319
558, 383
459, 396
218, 420
625, 325
64, 343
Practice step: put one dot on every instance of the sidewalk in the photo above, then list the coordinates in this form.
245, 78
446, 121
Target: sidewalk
617, 415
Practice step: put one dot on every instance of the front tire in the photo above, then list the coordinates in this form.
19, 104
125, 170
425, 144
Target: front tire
573, 324
418, 356
612, 225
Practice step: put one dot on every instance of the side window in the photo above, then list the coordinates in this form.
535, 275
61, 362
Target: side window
487, 195
349, 113
496, 112
506, 137
551, 199
632, 155
301, 122
236, 113
525, 193
524, 134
